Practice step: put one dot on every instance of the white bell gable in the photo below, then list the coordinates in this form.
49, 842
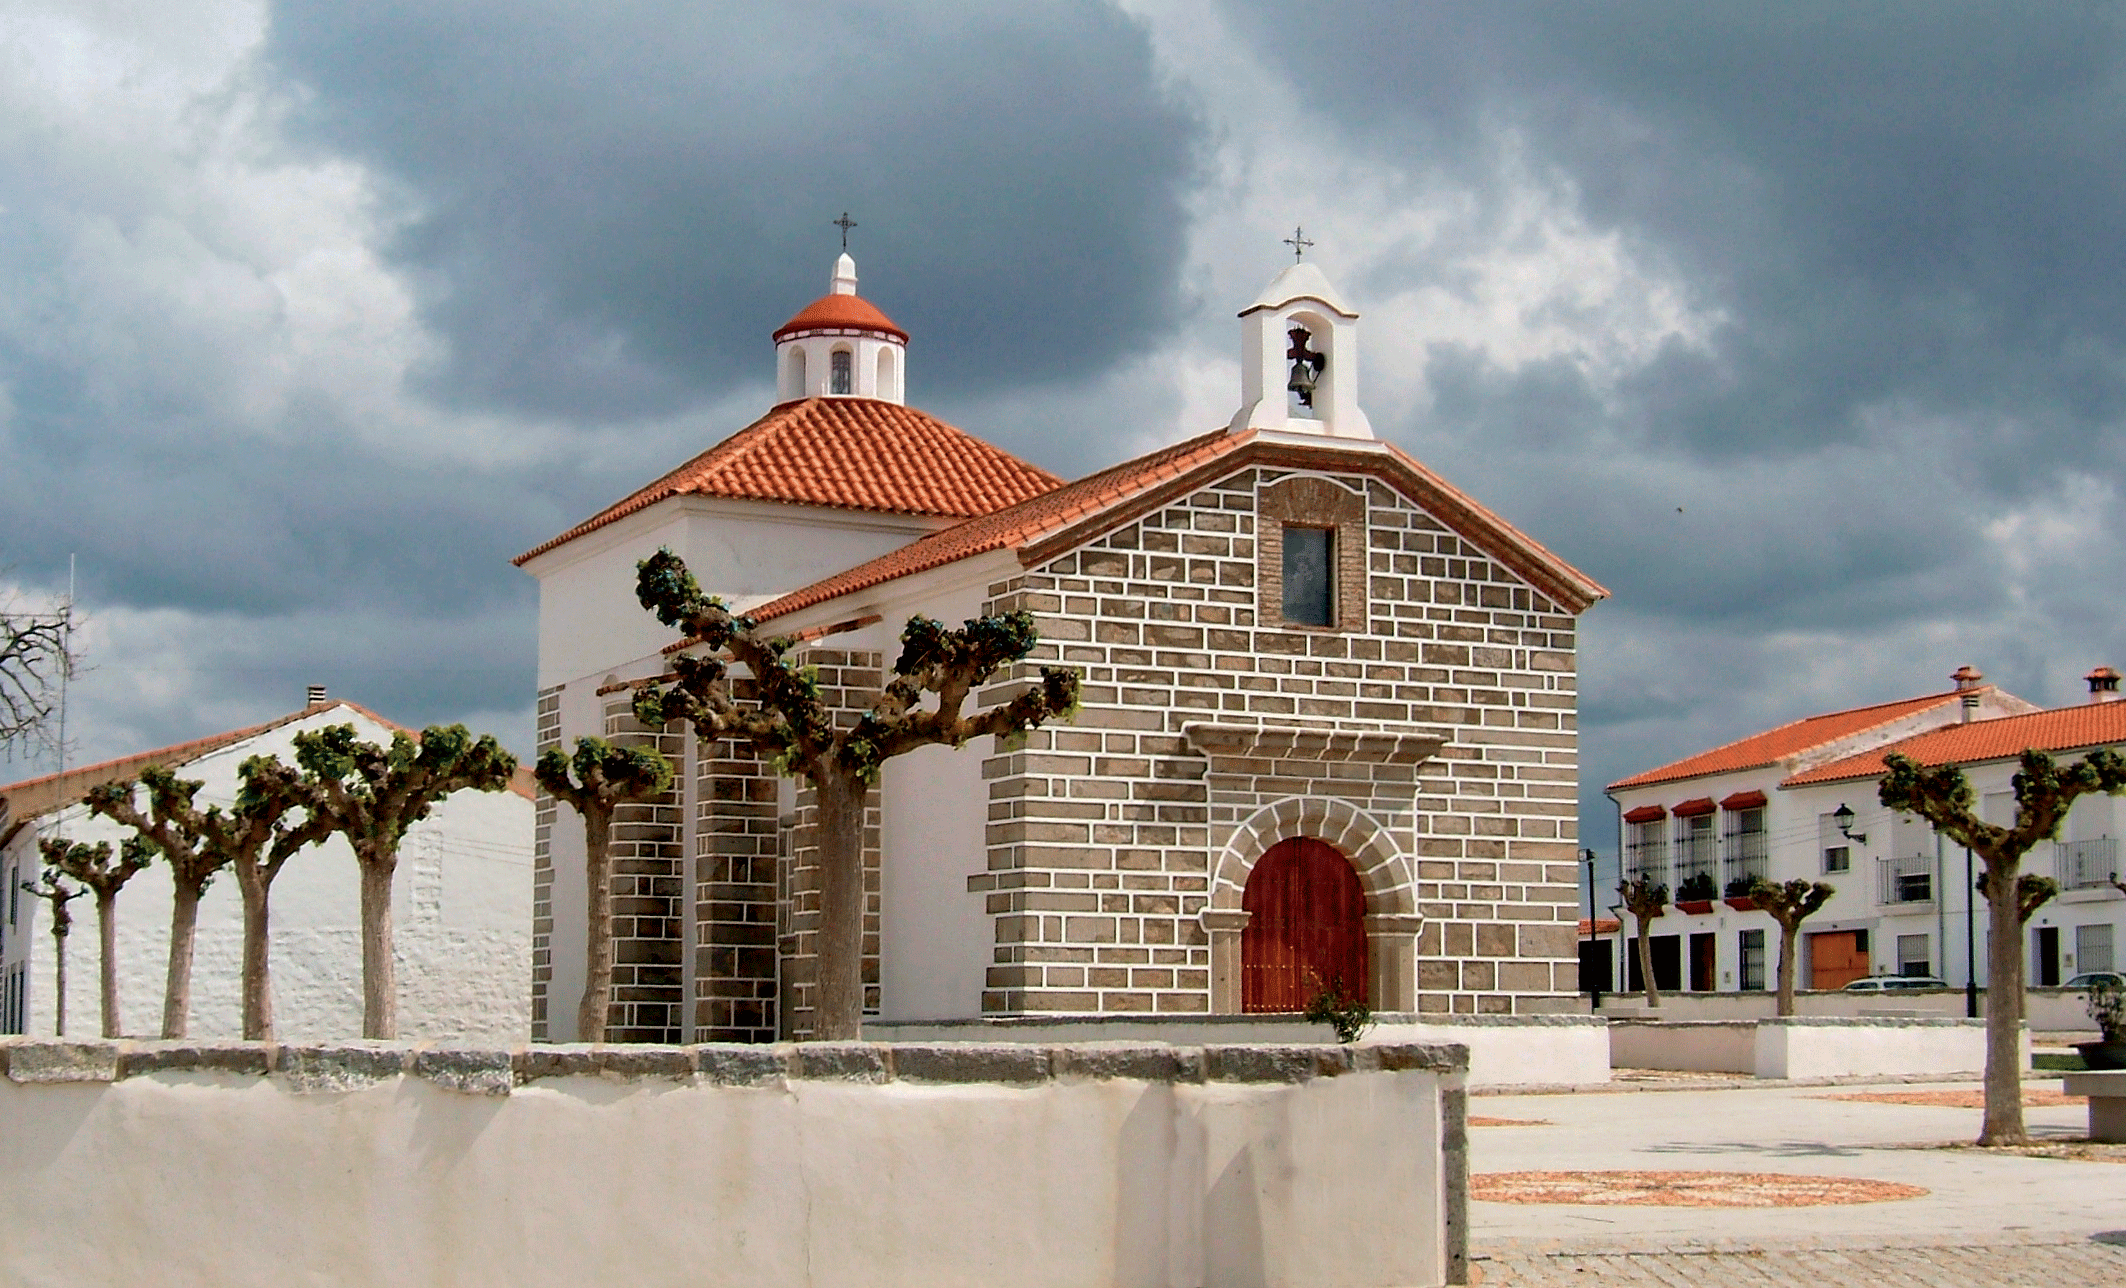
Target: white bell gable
1300, 297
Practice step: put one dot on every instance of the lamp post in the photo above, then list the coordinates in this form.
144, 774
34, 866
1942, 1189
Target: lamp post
1970, 941
1594, 929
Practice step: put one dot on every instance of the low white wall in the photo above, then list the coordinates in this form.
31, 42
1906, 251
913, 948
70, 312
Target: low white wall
1702, 1046
1504, 1050
1819, 1047
816, 1165
2048, 1010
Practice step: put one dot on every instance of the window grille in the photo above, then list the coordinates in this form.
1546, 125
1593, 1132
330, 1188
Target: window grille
1646, 854
1746, 849
2092, 948
1906, 880
1753, 961
2087, 865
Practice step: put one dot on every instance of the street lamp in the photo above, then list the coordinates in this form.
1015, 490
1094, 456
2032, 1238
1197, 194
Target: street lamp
1843, 816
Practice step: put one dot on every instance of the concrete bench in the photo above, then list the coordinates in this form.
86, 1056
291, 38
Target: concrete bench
2106, 1090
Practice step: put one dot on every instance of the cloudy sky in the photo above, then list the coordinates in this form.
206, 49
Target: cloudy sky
1801, 327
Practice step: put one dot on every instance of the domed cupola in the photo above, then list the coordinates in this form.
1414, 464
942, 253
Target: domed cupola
841, 346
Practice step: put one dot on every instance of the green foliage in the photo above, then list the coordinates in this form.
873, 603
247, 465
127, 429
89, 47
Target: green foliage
1346, 1014
373, 794
51, 887
2044, 792
92, 864
1791, 902
2031, 892
601, 772
1644, 896
1696, 886
2106, 1005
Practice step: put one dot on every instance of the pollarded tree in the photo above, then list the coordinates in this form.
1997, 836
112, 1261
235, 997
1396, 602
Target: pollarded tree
788, 724
51, 888
605, 777
1790, 904
258, 841
2044, 792
1646, 899
371, 795
104, 876
172, 826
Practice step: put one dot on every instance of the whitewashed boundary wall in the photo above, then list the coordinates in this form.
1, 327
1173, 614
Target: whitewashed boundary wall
2047, 1010
1808, 1047
1504, 1050
817, 1164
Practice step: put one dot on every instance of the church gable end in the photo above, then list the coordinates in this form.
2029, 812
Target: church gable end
1104, 835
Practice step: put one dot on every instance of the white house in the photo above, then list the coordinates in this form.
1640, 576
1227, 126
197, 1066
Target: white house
1800, 801
461, 900
1328, 725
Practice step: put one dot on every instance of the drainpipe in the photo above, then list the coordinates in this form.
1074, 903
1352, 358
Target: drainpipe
1941, 911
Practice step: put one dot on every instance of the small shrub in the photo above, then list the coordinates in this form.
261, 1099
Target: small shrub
1347, 1015
1697, 886
2107, 1006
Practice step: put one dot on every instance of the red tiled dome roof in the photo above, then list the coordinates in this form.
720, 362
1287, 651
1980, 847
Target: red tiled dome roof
840, 313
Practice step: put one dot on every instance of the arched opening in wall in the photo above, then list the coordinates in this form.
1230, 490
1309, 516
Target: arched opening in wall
794, 376
888, 387
1306, 928
840, 365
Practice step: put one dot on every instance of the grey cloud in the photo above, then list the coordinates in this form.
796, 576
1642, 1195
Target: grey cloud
609, 207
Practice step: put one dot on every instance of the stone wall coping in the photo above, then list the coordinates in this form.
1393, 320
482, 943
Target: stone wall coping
1393, 1019
1808, 1022
2099, 1083
349, 1066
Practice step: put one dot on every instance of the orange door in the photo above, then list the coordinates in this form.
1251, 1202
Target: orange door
1307, 931
1836, 959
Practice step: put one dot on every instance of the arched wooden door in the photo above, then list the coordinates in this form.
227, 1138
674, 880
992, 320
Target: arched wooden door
1307, 931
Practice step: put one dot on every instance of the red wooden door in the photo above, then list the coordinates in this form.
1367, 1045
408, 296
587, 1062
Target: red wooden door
1308, 929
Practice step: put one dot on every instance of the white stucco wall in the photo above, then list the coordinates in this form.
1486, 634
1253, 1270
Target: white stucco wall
935, 934
1703, 1046
461, 901
190, 1175
1837, 1048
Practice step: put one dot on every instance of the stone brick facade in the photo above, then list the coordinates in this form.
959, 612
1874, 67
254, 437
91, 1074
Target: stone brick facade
1103, 835
649, 895
547, 734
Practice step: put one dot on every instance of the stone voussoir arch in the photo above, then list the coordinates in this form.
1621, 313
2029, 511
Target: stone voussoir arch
1383, 865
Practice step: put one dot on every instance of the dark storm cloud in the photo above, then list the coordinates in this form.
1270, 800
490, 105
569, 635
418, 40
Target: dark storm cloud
612, 205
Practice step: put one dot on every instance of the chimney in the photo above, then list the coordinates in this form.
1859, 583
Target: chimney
2103, 684
1968, 680
314, 696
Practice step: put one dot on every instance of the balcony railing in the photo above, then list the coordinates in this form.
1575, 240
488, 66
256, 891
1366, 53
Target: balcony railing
1906, 880
1746, 861
1648, 859
2087, 865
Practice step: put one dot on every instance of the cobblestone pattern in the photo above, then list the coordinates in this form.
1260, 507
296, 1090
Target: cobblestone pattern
849, 683
548, 734
737, 841
2082, 1264
649, 891
1101, 833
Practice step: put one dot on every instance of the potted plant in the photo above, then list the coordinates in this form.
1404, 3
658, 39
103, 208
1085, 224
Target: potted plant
1738, 894
1695, 892
2107, 1006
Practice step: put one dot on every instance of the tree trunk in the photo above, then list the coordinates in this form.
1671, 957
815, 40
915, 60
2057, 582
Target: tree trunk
2004, 1013
380, 985
258, 972
177, 989
107, 967
1788, 936
59, 966
1646, 965
597, 1004
838, 1012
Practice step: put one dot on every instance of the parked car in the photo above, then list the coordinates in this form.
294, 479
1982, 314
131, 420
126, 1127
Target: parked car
2089, 979
1893, 983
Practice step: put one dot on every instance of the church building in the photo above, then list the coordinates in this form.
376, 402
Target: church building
1328, 732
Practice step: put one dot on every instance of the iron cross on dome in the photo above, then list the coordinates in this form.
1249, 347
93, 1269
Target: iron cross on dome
845, 224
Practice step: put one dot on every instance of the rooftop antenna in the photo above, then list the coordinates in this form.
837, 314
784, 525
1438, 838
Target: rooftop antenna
845, 224
66, 655
1297, 241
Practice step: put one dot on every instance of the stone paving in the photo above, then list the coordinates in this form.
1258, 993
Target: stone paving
1973, 1217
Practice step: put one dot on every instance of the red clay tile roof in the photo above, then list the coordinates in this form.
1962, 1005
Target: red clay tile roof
839, 313
33, 797
1774, 745
1693, 808
1115, 495
2094, 724
1644, 814
1744, 800
848, 453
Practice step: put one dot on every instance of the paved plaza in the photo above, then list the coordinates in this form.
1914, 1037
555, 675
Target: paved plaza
1934, 1212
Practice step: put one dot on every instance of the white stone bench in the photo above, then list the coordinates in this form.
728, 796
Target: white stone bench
2106, 1090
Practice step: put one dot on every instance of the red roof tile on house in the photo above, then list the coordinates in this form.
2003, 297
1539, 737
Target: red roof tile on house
2096, 724
840, 313
1774, 745
1693, 808
1744, 800
1645, 814
848, 453
1117, 494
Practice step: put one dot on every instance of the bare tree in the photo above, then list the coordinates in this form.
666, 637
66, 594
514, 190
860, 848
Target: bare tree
605, 777
93, 866
371, 795
36, 659
56, 892
1646, 899
788, 723
2044, 792
175, 827
1790, 904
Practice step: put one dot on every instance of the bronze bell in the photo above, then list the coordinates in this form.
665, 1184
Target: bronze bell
1306, 366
